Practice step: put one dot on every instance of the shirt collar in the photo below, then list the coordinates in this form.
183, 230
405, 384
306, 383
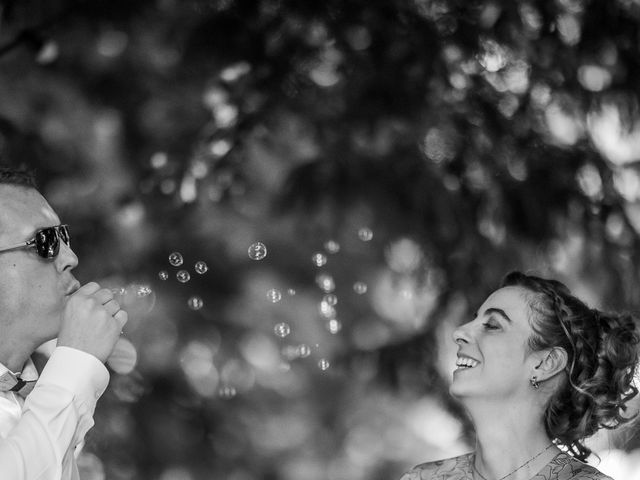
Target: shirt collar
8, 379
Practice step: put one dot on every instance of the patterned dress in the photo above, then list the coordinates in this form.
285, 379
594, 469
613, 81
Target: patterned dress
561, 467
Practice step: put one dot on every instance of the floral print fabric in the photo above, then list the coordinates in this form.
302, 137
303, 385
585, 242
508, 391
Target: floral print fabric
561, 467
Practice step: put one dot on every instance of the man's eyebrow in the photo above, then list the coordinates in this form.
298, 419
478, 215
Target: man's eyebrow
499, 311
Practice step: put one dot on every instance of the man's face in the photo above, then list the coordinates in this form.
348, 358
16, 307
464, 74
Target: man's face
33, 290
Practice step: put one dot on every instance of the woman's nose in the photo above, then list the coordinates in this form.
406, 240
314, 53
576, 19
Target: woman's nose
460, 335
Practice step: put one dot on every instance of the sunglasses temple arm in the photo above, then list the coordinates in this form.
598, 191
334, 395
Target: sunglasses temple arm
19, 245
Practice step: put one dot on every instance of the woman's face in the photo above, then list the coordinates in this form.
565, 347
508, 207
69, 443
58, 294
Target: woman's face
494, 360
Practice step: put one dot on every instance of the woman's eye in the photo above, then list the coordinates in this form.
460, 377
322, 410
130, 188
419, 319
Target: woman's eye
491, 326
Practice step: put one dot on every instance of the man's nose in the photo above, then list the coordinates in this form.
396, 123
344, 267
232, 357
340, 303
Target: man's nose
66, 259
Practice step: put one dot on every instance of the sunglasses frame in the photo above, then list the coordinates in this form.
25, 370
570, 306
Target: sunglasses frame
33, 242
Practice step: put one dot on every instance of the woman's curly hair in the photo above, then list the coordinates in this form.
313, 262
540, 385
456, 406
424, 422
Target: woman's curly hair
602, 353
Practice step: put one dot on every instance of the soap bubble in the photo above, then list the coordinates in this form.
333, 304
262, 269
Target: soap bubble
323, 364
282, 329
319, 259
136, 298
326, 310
183, 276
176, 259
291, 292
201, 267
119, 291
257, 251
325, 282
163, 275
360, 288
303, 350
195, 302
227, 392
143, 290
332, 246
365, 234
274, 296
334, 326
330, 299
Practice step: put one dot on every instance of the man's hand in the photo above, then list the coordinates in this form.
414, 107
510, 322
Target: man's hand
92, 321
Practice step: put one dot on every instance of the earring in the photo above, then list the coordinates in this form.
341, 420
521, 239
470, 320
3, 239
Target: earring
534, 382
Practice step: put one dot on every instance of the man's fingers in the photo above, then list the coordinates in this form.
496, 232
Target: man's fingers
104, 296
112, 307
88, 288
121, 317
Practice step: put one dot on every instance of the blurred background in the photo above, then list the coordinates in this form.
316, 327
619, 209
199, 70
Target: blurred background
300, 201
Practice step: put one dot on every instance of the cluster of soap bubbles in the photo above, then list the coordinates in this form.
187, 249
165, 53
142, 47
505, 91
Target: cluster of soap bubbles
327, 305
183, 276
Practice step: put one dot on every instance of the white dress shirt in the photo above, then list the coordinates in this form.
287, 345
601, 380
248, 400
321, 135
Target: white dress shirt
39, 434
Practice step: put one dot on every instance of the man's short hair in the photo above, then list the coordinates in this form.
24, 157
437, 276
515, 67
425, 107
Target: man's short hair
17, 176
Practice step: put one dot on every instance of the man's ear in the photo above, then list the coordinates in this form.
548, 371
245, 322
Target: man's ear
554, 361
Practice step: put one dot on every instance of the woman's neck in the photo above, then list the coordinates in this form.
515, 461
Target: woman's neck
508, 438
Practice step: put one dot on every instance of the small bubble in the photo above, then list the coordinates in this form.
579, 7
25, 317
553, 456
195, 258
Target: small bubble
360, 288
332, 246
365, 234
274, 296
330, 299
334, 326
282, 329
143, 291
201, 267
326, 310
257, 251
291, 292
303, 350
119, 291
195, 303
227, 392
163, 275
323, 364
183, 276
319, 259
325, 282
176, 259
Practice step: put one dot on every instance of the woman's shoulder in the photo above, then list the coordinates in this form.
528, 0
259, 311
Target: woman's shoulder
454, 468
565, 467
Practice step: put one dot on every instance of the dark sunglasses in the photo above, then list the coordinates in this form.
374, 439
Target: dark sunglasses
46, 241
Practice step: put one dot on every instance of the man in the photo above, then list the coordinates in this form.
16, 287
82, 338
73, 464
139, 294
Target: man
40, 300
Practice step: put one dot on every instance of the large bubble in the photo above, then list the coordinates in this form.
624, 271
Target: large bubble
257, 251
176, 259
183, 276
201, 267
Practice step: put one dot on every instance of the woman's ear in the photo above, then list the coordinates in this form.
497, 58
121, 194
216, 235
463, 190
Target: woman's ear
554, 362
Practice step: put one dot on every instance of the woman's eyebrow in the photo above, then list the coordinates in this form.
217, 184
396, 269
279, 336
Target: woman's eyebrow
499, 311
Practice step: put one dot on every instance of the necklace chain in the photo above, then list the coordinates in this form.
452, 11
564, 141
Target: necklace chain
514, 471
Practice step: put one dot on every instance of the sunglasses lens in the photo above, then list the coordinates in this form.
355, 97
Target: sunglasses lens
63, 231
47, 243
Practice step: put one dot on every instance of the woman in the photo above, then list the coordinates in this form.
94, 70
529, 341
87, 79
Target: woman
538, 372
